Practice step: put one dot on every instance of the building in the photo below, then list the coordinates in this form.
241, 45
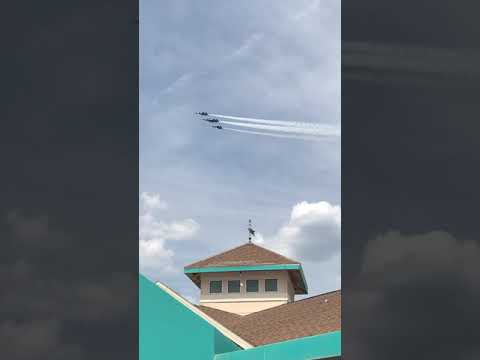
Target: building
247, 279
247, 311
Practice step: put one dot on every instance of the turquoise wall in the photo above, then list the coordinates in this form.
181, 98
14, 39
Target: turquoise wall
312, 347
169, 330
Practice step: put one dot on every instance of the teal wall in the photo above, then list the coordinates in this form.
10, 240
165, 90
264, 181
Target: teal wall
169, 330
312, 347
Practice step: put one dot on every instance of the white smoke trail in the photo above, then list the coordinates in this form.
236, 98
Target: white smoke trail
286, 129
278, 122
292, 136
258, 121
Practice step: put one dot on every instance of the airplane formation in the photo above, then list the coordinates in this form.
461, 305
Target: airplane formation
272, 128
210, 120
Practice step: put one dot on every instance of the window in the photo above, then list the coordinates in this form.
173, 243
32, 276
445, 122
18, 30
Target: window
215, 286
270, 284
252, 285
233, 286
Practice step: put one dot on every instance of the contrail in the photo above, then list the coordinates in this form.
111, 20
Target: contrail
287, 129
275, 135
276, 122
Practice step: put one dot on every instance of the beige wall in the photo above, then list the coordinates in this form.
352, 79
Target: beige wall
246, 302
291, 291
244, 307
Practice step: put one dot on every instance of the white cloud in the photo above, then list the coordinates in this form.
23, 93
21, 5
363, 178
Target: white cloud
311, 234
151, 201
154, 235
312, 7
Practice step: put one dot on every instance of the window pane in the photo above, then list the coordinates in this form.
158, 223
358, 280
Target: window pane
252, 285
216, 286
233, 286
270, 284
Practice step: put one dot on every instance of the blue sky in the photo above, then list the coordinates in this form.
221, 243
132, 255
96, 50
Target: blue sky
198, 185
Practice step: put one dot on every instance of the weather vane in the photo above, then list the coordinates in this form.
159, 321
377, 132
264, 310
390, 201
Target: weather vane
251, 232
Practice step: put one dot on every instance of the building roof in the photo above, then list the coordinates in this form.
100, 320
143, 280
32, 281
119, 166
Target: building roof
227, 319
222, 328
249, 257
307, 317
244, 255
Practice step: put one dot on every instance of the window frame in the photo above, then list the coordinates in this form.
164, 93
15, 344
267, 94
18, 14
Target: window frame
258, 285
276, 285
239, 287
210, 287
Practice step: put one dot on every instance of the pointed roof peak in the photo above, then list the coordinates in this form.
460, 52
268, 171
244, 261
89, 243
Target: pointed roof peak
244, 255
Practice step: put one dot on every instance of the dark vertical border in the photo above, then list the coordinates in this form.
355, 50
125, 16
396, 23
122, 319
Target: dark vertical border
410, 179
69, 180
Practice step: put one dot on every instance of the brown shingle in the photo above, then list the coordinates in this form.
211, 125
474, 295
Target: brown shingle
244, 255
225, 318
311, 316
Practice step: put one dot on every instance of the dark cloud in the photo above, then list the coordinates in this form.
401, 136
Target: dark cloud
413, 64
414, 298
408, 160
407, 164
69, 229
427, 23
52, 294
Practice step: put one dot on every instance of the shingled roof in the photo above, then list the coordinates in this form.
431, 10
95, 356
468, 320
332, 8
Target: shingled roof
244, 255
249, 257
307, 317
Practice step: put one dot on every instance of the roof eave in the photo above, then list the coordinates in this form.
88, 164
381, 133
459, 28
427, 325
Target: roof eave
195, 278
192, 272
259, 267
304, 282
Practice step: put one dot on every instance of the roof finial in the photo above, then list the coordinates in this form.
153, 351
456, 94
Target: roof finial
250, 231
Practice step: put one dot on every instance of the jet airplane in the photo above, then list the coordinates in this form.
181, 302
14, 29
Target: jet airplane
203, 113
217, 127
211, 120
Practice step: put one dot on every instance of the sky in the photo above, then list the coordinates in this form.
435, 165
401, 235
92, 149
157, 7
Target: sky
411, 240
198, 185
